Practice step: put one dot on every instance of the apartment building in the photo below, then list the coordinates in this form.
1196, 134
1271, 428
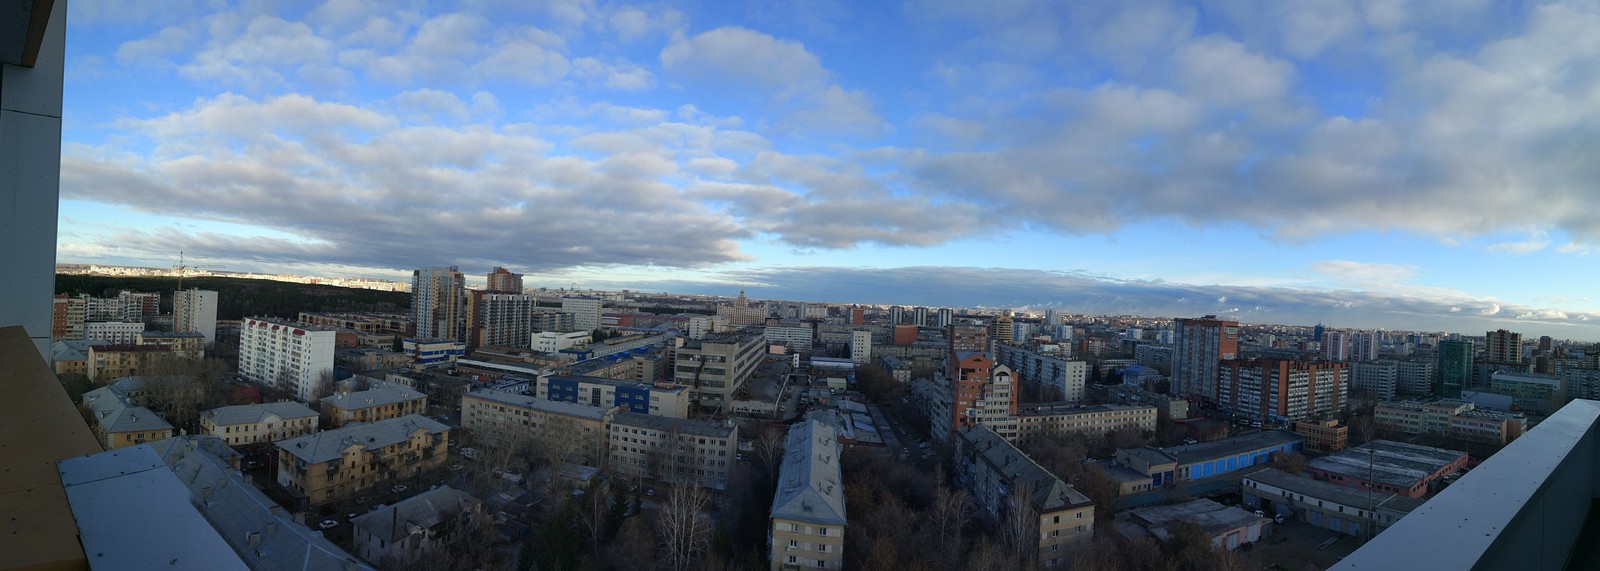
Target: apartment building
289, 356
67, 317
1281, 389
797, 337
253, 424
808, 513
585, 312
643, 398
188, 345
1057, 376
1055, 419
195, 310
439, 303
106, 362
496, 319
114, 332
1001, 478
981, 392
400, 534
335, 464
1199, 348
506, 421
1324, 436
379, 403
1458, 418
118, 421
673, 450
364, 322
716, 367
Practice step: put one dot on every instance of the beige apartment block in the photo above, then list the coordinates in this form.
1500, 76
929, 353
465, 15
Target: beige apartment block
255, 424
808, 511
337, 464
505, 421
673, 450
372, 405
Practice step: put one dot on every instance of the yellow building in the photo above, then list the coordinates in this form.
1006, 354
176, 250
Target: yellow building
808, 515
1326, 436
336, 464
188, 345
118, 422
372, 405
265, 423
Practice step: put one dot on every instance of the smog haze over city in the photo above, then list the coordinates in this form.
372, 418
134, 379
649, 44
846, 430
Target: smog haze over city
1410, 165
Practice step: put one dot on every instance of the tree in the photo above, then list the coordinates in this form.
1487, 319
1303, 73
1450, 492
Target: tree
1021, 525
1291, 462
1103, 490
682, 531
593, 510
397, 345
323, 386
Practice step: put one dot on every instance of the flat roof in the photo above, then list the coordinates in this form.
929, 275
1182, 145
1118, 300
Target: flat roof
1208, 514
1329, 491
117, 495
1200, 452
1050, 408
1389, 462
535, 403
665, 424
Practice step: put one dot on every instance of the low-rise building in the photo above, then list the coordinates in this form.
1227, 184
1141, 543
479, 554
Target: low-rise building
265, 423
335, 464
554, 341
897, 369
371, 405
808, 512
106, 362
1454, 417
1323, 436
1204, 460
1003, 480
357, 359
673, 450
1386, 466
70, 356
404, 532
433, 352
113, 332
188, 345
643, 398
1322, 504
506, 421
118, 421
1054, 419
1227, 527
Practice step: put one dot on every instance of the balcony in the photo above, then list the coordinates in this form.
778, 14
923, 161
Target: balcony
1526, 507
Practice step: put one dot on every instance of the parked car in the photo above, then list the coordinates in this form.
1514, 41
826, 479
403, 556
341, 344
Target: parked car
398, 488
328, 523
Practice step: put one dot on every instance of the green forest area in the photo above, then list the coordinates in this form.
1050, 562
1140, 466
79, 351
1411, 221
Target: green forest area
241, 297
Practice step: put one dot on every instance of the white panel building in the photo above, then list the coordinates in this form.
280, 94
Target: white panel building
195, 310
114, 332
281, 353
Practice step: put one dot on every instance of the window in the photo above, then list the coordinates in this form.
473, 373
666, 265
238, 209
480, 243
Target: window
794, 543
822, 547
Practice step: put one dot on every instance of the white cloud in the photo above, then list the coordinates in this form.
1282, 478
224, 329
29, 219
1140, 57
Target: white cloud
1536, 242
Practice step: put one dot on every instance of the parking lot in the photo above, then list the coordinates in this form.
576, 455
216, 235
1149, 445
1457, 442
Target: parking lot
1297, 546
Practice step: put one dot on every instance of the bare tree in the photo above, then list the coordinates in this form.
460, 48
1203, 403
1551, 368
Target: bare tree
952, 510
591, 510
768, 450
683, 532
1021, 525
324, 384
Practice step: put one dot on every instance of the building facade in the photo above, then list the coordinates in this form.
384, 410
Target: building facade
508, 422
1055, 419
808, 518
256, 424
643, 398
673, 450
1004, 481
982, 392
1199, 348
716, 367
294, 358
1283, 390
510, 319
502, 280
402, 533
1056, 376
195, 310
439, 303
1453, 370
344, 462
118, 421
371, 405
114, 332
585, 312
67, 317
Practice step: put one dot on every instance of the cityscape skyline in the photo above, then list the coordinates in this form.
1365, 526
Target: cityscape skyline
1407, 167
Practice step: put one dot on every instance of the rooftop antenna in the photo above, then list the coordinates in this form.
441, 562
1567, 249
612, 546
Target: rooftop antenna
183, 268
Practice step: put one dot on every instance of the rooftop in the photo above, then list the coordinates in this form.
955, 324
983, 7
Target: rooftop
1050, 493
331, 444
810, 488
535, 403
1332, 492
416, 513
1208, 514
380, 396
224, 522
254, 413
1038, 409
1389, 462
115, 413
665, 424
1190, 453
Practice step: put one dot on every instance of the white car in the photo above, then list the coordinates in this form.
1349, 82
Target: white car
398, 488
328, 523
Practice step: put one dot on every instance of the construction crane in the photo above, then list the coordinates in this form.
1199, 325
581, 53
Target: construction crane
183, 268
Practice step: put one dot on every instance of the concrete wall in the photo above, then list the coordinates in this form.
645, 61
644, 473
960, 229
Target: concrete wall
30, 183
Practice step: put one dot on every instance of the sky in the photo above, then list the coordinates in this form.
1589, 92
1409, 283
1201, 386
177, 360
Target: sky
1428, 165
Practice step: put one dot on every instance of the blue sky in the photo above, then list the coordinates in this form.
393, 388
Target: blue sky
1376, 163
